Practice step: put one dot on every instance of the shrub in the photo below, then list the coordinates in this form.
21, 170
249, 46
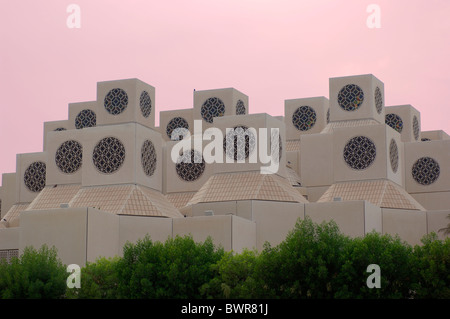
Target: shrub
432, 268
98, 280
174, 269
35, 274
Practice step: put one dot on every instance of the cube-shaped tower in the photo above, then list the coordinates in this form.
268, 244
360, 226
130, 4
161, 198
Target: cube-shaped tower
356, 98
210, 104
126, 101
405, 119
175, 122
305, 116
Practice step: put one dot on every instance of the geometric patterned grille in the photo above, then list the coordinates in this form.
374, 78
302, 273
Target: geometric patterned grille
148, 158
34, 177
276, 147
190, 166
59, 129
234, 138
8, 254
108, 155
240, 108
177, 126
328, 116
116, 101
393, 156
394, 121
68, 157
213, 107
360, 152
350, 97
146, 104
425, 171
304, 118
378, 100
416, 129
85, 118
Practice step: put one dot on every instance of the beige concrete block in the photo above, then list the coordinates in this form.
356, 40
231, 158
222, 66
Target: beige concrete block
243, 234
66, 229
380, 162
354, 218
219, 228
65, 157
274, 220
432, 175
9, 195
53, 126
316, 163
436, 135
134, 228
9, 238
227, 101
433, 200
305, 116
173, 119
216, 208
411, 226
126, 101
437, 220
102, 235
130, 170
405, 119
30, 175
369, 106
82, 115
260, 142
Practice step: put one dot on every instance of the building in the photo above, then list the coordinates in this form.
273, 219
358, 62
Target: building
108, 175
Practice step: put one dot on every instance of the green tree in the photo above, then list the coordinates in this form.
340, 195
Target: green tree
393, 256
232, 276
432, 268
304, 265
174, 269
98, 280
35, 274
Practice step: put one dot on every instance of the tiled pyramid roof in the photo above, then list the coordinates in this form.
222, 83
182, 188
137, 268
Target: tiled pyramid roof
247, 186
383, 193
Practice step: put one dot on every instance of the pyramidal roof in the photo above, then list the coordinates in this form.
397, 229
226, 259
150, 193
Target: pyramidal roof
125, 200
382, 193
246, 186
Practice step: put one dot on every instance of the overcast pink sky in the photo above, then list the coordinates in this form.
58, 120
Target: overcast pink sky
271, 50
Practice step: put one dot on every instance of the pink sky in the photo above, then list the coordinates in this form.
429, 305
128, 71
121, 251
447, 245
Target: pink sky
271, 50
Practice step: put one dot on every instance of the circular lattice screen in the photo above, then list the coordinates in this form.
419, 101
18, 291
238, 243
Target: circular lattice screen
276, 146
350, 97
86, 118
394, 121
69, 156
175, 128
304, 118
148, 158
378, 100
116, 101
359, 152
190, 166
425, 171
416, 128
34, 176
240, 108
393, 155
213, 107
241, 143
145, 103
109, 155
59, 129
328, 116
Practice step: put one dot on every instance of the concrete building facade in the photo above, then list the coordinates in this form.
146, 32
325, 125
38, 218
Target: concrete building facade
107, 175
